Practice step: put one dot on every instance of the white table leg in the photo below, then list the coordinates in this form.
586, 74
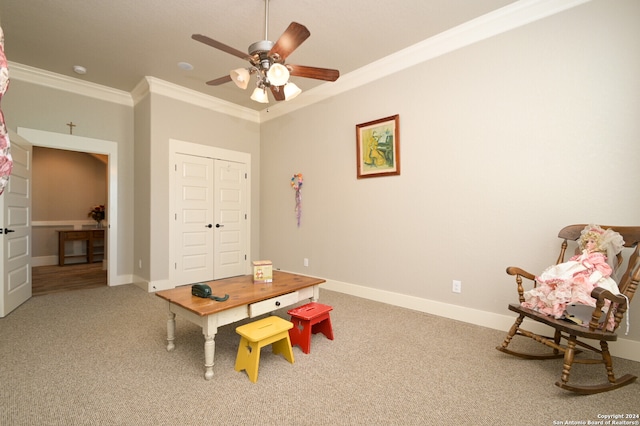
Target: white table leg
171, 331
209, 350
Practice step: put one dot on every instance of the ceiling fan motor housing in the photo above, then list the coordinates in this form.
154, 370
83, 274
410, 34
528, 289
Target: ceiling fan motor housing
260, 46
260, 51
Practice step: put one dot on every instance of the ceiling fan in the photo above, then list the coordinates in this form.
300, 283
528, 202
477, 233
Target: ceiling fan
267, 62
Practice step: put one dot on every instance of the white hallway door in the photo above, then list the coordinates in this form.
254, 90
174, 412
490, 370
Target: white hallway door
15, 223
210, 219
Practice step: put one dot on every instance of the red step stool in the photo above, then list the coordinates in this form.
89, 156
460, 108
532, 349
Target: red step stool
308, 319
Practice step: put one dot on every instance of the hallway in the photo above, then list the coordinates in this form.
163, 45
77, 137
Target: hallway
56, 279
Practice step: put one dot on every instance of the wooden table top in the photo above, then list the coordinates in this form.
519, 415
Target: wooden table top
241, 291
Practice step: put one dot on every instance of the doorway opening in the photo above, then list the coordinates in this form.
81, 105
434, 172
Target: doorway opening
66, 187
93, 146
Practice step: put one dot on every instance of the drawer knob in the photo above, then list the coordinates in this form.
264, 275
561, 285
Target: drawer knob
277, 303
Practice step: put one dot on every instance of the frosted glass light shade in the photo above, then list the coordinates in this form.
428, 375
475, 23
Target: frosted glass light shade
240, 77
260, 95
291, 91
278, 75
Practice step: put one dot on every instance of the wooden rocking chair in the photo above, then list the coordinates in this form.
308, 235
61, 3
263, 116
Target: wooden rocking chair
573, 332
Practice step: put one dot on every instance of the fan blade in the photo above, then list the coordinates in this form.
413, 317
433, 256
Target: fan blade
289, 41
220, 46
219, 81
313, 72
278, 92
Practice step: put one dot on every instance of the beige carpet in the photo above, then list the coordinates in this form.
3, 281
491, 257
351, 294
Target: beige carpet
98, 357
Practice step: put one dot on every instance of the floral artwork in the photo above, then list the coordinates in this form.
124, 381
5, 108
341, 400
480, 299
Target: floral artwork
6, 162
296, 184
97, 213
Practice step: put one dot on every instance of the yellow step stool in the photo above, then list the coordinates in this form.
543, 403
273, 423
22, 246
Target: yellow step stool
272, 331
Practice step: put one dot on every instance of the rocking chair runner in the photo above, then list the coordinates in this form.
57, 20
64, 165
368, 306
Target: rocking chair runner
573, 332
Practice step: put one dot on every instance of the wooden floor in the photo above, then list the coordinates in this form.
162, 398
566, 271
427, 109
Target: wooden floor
56, 279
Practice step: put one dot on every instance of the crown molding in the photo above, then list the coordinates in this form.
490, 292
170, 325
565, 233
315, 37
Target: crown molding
164, 88
61, 82
513, 16
505, 19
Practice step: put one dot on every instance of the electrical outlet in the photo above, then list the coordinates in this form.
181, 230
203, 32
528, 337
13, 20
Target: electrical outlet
457, 286
305, 262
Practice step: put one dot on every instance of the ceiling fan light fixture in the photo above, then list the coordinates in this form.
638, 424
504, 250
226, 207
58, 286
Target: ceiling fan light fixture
291, 90
240, 77
278, 75
260, 95
267, 61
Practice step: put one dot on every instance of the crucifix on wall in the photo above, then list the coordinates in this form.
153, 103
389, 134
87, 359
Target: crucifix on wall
71, 126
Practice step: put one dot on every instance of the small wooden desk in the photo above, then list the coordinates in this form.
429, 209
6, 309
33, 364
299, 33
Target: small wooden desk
89, 236
246, 300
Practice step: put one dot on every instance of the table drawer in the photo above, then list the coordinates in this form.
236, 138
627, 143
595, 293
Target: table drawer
76, 235
305, 293
272, 304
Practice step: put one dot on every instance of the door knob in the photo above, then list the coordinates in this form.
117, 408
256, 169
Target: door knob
6, 230
208, 226
218, 225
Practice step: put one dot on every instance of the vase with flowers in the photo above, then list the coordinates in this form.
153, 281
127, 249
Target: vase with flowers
97, 213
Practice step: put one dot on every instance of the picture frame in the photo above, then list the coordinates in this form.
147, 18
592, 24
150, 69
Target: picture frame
378, 147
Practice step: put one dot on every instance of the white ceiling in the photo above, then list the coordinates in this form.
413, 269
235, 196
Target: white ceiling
122, 41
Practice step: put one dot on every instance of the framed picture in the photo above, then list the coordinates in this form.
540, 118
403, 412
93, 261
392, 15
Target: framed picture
378, 147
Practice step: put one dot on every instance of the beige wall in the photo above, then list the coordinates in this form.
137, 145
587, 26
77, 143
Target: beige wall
42, 107
142, 185
171, 119
65, 185
503, 143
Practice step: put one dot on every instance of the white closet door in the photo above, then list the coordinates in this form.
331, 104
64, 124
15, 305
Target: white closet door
230, 212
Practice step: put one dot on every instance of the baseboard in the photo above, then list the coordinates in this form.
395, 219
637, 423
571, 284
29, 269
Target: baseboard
123, 279
623, 348
152, 286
